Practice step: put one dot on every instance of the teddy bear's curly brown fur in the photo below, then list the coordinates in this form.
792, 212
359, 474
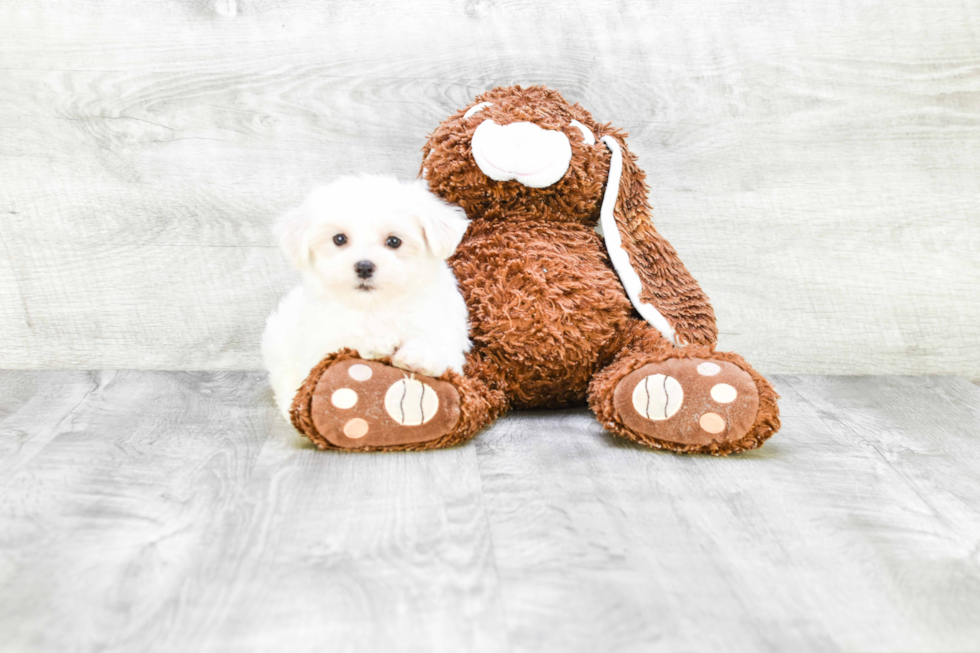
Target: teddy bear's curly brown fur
550, 320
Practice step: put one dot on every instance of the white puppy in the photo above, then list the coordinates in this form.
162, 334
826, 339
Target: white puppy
372, 252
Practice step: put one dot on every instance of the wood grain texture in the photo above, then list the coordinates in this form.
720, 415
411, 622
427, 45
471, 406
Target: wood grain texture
170, 511
161, 511
855, 529
817, 164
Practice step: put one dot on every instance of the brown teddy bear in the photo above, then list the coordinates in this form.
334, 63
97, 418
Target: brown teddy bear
559, 314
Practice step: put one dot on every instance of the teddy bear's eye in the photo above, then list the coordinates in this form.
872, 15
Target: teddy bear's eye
339, 240
587, 134
393, 242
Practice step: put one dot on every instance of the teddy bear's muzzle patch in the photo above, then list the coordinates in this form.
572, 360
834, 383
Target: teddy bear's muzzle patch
521, 151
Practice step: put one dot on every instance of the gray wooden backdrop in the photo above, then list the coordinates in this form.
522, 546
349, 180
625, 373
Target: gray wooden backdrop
816, 162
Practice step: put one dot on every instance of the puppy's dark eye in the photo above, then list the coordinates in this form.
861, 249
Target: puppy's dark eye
340, 239
393, 242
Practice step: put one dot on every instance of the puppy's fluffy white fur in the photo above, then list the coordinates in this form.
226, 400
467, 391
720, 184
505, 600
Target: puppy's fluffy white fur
409, 308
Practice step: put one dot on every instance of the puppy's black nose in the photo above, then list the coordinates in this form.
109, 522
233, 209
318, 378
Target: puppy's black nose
364, 269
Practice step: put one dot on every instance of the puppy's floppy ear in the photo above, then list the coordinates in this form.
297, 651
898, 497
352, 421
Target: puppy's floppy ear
442, 224
290, 229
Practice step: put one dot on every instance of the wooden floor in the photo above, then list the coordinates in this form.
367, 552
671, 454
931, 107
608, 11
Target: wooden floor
174, 511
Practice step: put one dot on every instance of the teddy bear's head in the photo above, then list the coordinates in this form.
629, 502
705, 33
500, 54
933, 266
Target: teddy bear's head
525, 153
521, 151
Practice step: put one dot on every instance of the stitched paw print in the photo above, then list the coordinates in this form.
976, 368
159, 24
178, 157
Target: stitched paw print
688, 401
360, 403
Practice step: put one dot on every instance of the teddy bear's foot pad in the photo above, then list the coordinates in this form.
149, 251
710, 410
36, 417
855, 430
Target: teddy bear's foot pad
359, 403
689, 401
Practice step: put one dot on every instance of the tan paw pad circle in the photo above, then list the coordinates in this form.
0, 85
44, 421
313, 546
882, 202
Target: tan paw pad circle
708, 369
658, 397
724, 393
343, 398
411, 402
712, 422
359, 372
356, 428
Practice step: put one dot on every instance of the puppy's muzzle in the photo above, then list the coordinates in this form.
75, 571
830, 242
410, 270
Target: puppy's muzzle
364, 269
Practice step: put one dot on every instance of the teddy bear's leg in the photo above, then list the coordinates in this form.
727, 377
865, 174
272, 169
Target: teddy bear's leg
689, 399
366, 405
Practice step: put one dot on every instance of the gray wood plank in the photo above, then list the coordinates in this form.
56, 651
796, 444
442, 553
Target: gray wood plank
176, 511
855, 529
98, 525
815, 163
345, 553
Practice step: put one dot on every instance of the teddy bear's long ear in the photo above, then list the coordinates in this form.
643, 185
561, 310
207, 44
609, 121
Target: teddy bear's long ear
658, 284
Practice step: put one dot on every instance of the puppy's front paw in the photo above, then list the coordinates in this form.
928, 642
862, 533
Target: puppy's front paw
380, 349
421, 357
